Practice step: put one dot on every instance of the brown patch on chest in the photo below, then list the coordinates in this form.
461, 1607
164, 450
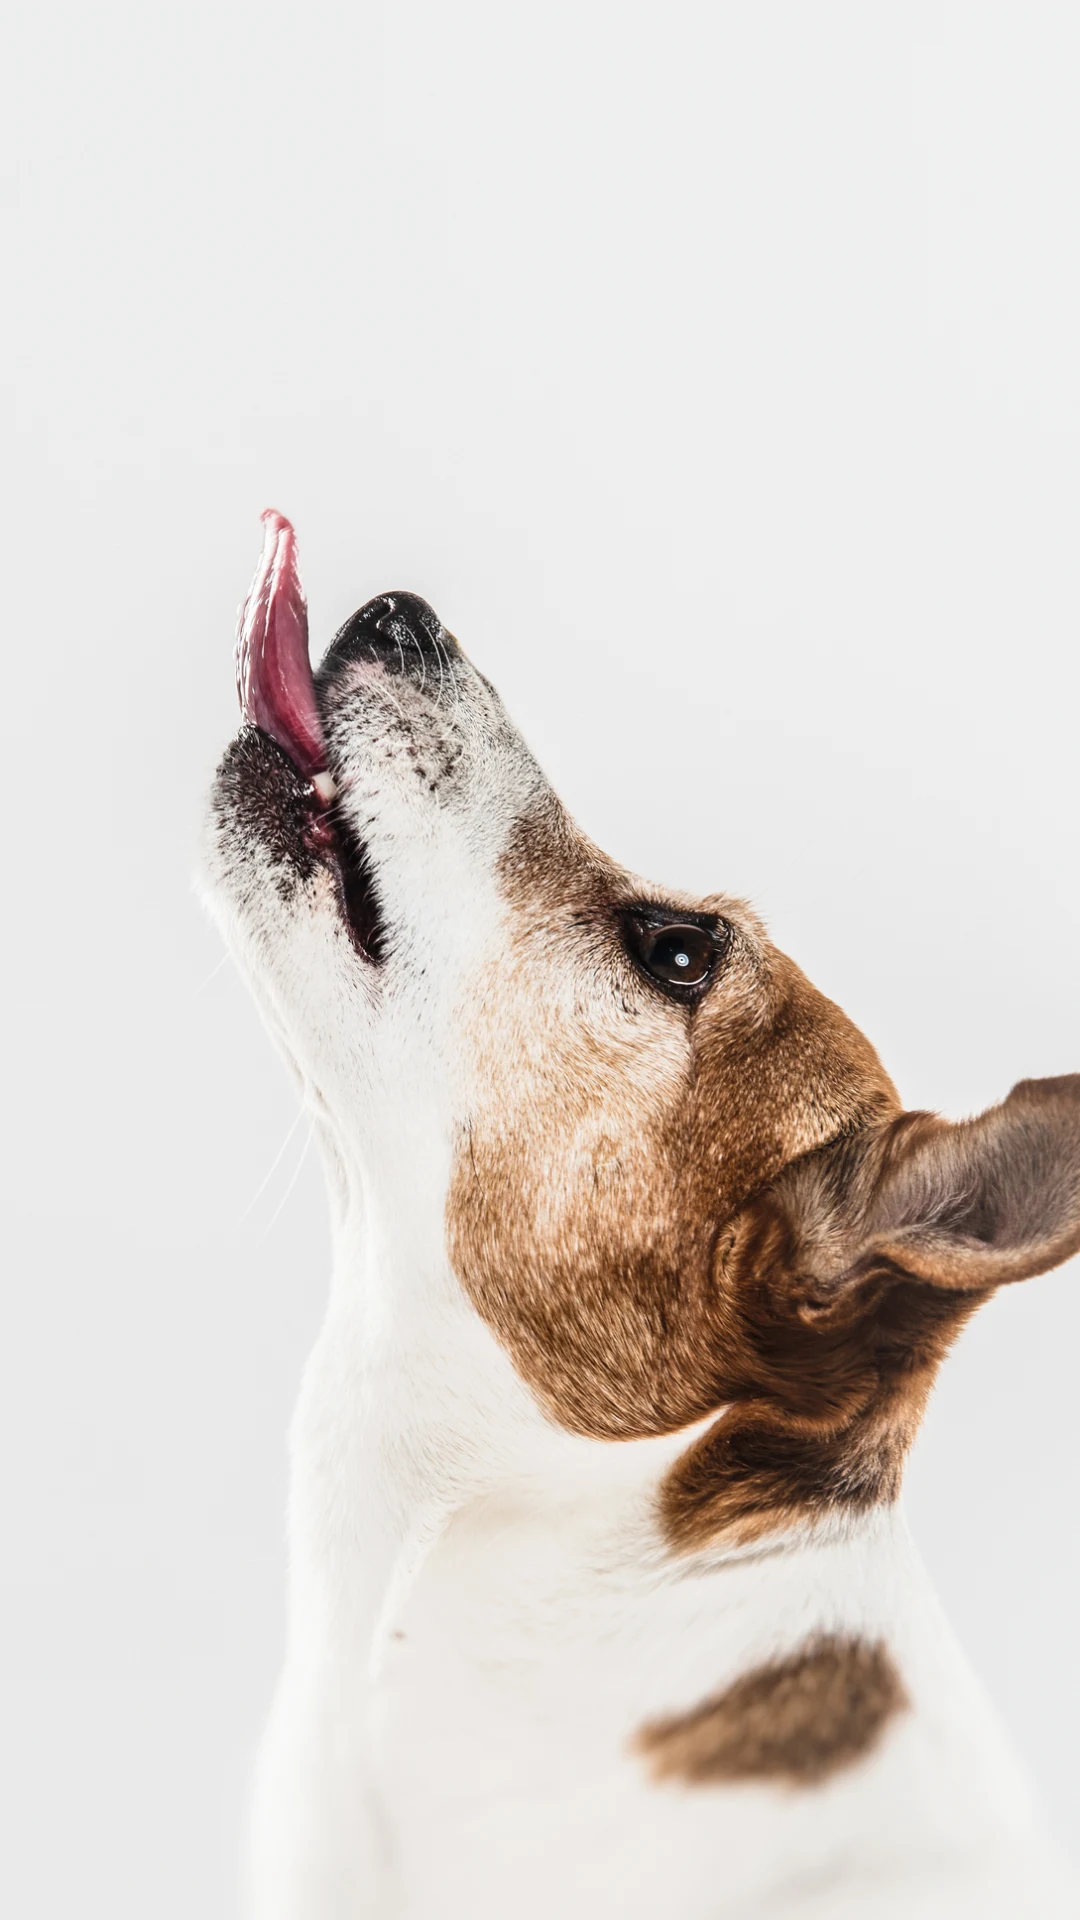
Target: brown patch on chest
795, 1722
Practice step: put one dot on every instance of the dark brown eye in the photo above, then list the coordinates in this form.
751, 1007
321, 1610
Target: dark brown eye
683, 956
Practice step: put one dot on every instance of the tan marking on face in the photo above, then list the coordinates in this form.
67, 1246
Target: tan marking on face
663, 1210
794, 1722
613, 1133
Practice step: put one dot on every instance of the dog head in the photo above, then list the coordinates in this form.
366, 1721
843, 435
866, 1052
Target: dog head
668, 1174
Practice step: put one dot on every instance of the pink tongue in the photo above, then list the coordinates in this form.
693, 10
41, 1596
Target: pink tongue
273, 671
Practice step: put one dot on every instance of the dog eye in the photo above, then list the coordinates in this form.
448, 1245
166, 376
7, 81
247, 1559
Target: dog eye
683, 956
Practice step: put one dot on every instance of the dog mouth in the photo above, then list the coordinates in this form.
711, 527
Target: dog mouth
276, 688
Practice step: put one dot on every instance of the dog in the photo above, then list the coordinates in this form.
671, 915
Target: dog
601, 1601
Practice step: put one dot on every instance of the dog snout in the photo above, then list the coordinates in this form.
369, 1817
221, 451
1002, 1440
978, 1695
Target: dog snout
401, 632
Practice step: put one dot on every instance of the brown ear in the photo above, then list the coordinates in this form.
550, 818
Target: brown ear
964, 1206
842, 1287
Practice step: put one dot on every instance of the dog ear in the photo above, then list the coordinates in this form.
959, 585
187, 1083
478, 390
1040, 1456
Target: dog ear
961, 1206
841, 1288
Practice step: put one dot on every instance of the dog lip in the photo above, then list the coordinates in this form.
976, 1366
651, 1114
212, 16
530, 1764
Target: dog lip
273, 669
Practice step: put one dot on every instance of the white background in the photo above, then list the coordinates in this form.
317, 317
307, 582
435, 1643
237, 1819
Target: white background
713, 370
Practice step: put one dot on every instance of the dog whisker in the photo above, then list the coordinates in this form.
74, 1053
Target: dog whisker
213, 974
276, 1215
272, 1169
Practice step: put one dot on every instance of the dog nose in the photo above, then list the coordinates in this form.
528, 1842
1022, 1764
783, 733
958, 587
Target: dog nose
400, 630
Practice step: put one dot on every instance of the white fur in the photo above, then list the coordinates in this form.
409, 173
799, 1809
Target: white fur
482, 1612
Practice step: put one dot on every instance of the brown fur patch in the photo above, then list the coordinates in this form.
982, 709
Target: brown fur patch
664, 1209
613, 1132
795, 1722
844, 1287
825, 1398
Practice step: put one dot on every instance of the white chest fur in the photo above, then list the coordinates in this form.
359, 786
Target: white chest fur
482, 1618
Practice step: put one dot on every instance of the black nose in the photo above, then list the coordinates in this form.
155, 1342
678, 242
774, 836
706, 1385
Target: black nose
400, 630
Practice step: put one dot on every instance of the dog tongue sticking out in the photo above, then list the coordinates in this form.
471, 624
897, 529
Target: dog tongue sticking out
273, 670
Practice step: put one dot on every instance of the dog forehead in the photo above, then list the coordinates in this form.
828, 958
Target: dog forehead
764, 1040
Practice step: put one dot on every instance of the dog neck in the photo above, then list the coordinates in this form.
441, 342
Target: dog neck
413, 1415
